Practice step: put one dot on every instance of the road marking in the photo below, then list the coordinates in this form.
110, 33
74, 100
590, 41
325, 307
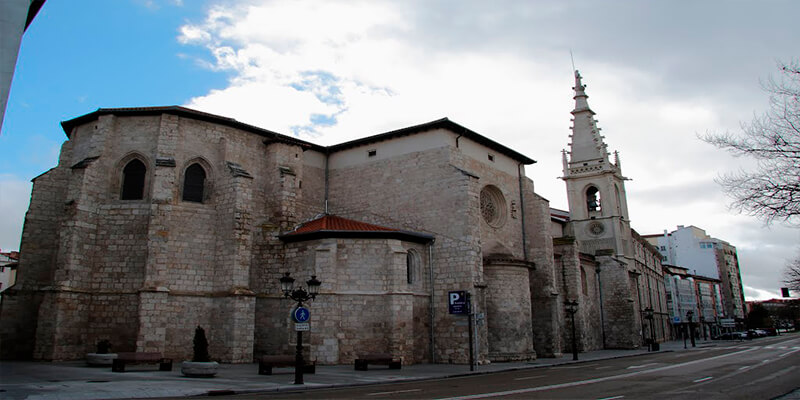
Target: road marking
590, 381
772, 376
702, 379
577, 366
605, 367
745, 367
788, 352
394, 392
640, 366
611, 398
529, 377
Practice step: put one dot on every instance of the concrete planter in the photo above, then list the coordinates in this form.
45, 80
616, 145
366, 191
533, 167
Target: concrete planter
100, 359
196, 369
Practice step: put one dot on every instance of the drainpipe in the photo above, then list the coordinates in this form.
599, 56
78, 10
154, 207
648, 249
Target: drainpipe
600, 295
522, 213
432, 301
327, 156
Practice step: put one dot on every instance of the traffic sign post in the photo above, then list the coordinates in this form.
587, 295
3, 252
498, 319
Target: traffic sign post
300, 315
471, 316
459, 302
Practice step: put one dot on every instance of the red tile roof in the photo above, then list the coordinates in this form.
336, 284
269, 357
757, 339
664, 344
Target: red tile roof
334, 223
331, 226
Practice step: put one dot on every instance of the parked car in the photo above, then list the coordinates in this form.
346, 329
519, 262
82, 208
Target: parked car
771, 331
756, 333
733, 336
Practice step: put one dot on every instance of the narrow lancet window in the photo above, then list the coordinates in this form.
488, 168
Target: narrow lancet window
133, 176
412, 263
194, 182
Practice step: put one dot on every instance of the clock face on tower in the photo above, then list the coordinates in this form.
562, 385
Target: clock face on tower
596, 228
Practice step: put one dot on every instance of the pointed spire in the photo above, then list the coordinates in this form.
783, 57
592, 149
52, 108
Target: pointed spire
587, 145
581, 102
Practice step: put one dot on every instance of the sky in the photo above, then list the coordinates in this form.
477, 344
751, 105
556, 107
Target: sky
658, 74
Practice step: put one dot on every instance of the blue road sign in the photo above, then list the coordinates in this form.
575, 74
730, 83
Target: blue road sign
301, 314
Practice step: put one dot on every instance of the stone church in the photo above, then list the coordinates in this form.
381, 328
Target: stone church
160, 219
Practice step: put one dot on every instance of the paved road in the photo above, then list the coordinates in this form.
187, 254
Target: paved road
762, 369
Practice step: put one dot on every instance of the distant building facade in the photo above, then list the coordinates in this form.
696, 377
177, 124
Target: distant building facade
698, 294
8, 269
702, 255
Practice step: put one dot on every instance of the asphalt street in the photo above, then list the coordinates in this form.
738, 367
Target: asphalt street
761, 369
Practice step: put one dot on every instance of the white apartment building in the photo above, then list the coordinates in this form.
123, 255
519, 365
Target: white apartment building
702, 255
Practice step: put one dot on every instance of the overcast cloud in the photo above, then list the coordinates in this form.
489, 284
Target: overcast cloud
658, 74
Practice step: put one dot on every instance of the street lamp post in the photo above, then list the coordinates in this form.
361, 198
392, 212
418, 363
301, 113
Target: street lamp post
572, 308
299, 295
648, 314
689, 315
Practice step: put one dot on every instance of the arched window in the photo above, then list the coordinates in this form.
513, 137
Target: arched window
194, 181
593, 199
133, 176
411, 266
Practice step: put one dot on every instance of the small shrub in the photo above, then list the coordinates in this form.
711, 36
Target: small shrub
200, 346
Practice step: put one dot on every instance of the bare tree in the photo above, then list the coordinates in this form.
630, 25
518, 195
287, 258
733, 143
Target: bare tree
792, 274
772, 191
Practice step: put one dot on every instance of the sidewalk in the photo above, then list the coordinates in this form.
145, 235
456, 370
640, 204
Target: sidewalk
74, 380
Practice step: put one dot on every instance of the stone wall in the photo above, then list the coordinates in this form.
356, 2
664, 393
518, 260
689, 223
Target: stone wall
366, 304
547, 304
578, 281
508, 310
20, 305
127, 270
437, 190
621, 319
444, 202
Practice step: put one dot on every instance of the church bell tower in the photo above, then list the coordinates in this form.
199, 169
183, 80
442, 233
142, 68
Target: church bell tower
595, 186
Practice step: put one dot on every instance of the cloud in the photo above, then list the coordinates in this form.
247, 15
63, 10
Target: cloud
756, 294
155, 5
15, 196
338, 70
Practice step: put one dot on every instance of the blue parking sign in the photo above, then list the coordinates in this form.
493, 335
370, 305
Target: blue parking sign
457, 302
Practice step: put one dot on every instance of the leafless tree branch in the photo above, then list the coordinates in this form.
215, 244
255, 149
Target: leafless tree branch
772, 191
792, 274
